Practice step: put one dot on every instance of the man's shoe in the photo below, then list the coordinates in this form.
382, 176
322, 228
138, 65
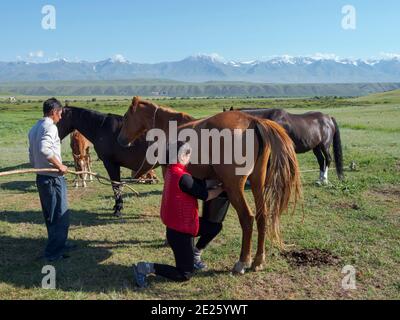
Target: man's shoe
59, 258
145, 267
139, 278
70, 246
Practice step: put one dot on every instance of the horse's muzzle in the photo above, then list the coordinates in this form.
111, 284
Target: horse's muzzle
123, 142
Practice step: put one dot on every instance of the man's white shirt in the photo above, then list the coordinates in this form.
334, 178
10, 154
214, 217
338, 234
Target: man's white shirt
44, 143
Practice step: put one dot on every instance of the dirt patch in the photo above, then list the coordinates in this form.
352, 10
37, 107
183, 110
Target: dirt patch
311, 257
386, 193
346, 205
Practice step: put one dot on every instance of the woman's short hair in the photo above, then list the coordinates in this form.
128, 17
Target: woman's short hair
177, 150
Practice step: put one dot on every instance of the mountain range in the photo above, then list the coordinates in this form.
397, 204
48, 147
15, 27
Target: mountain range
200, 68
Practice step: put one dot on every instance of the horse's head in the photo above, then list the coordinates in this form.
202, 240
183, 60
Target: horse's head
137, 120
65, 124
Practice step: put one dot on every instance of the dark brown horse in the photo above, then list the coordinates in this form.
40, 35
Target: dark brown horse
102, 130
309, 131
271, 144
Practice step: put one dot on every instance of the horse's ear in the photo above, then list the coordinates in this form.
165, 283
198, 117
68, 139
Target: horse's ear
135, 102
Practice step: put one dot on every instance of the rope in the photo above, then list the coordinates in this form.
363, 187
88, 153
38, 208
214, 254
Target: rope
314, 170
96, 175
144, 181
305, 171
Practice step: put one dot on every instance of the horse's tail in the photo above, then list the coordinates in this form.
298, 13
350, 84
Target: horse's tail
337, 150
282, 180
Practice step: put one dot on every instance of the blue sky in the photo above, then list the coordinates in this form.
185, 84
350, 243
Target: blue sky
153, 31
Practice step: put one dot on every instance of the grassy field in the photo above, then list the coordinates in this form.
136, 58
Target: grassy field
356, 220
171, 88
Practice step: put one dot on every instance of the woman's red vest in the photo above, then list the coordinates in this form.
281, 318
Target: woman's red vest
179, 210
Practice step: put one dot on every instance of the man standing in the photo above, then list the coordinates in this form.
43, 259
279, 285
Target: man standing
45, 152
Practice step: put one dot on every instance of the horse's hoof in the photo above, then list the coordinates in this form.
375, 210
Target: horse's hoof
322, 182
258, 263
257, 266
239, 267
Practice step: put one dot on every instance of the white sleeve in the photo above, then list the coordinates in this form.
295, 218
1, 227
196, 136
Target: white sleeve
30, 151
46, 142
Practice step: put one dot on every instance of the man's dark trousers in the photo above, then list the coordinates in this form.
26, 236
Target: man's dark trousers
53, 198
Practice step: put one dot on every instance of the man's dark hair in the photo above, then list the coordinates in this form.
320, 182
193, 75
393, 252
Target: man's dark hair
51, 104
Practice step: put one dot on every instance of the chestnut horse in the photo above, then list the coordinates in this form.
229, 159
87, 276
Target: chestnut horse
82, 160
272, 186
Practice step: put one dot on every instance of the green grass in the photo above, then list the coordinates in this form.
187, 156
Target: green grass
357, 220
151, 87
389, 97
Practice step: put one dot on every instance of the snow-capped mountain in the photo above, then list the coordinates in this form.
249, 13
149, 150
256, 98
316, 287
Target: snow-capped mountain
198, 68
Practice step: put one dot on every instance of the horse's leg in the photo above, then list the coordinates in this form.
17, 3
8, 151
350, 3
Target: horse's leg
89, 164
76, 179
86, 162
235, 191
321, 161
84, 168
114, 172
90, 168
328, 158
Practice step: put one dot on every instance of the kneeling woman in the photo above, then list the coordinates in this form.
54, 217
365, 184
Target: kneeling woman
179, 212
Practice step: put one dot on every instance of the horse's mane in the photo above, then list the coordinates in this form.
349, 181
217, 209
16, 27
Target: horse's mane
165, 108
97, 113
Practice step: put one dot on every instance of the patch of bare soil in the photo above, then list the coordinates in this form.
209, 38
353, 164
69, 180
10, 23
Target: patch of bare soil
311, 257
345, 205
386, 193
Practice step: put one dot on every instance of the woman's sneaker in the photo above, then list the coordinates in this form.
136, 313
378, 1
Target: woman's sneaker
199, 265
139, 278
